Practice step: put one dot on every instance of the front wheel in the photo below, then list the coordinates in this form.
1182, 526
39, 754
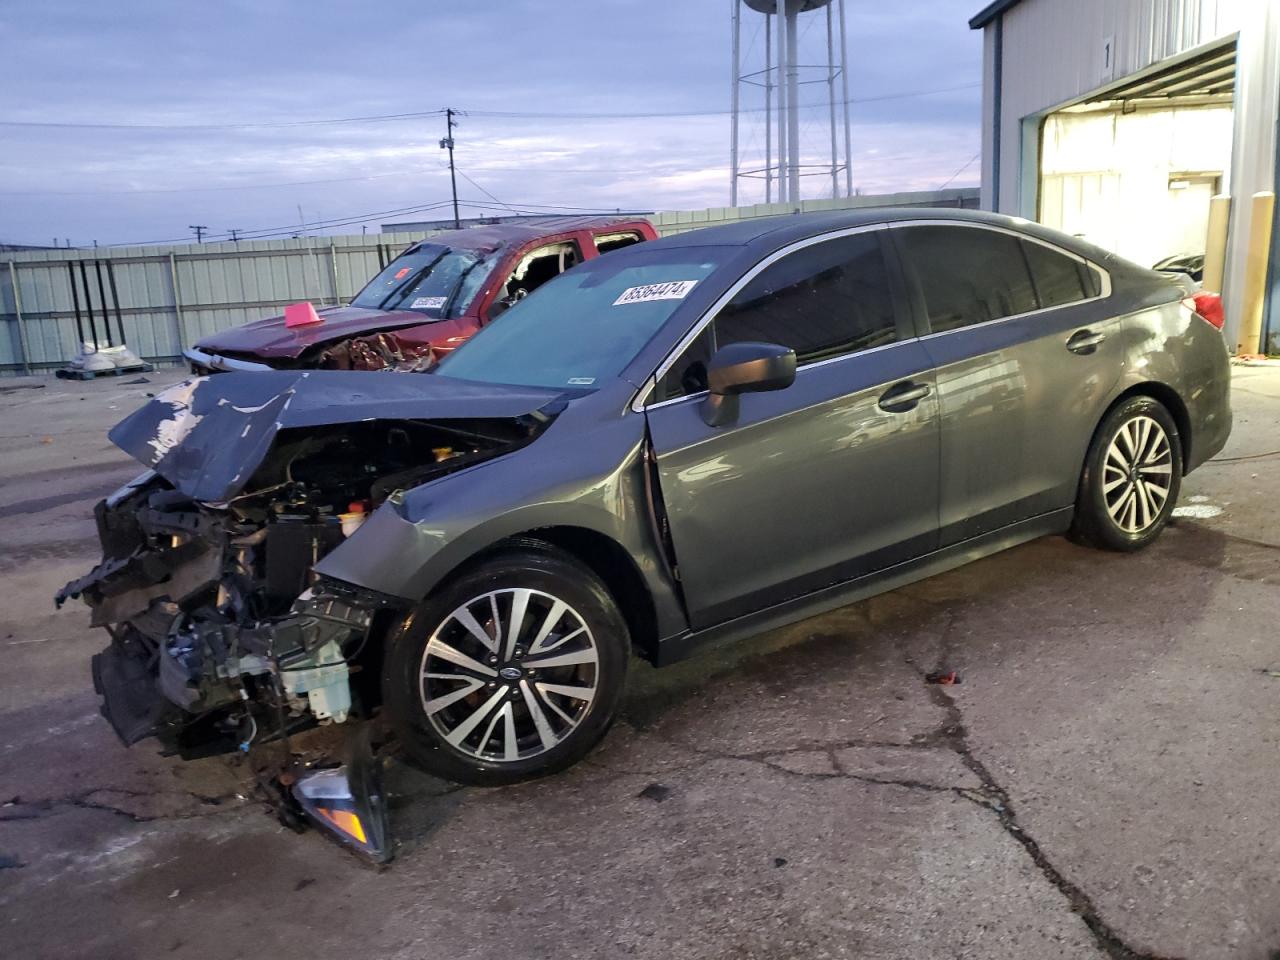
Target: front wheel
1131, 478
510, 671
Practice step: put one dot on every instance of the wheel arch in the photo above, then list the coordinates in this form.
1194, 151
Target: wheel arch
1170, 399
604, 556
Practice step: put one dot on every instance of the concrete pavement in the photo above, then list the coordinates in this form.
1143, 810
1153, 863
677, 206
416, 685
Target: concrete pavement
1101, 784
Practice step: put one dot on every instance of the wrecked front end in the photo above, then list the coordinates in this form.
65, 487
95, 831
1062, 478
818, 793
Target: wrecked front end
223, 637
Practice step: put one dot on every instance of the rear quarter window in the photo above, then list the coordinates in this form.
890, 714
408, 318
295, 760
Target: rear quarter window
1059, 279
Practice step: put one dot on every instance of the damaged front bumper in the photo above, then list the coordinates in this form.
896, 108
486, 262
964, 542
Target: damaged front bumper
223, 634
190, 664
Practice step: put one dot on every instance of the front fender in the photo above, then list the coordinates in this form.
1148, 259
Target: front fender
408, 548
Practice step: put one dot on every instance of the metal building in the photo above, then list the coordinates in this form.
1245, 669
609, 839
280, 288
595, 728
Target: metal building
1121, 120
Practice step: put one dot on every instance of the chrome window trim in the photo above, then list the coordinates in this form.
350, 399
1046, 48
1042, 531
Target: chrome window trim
650, 384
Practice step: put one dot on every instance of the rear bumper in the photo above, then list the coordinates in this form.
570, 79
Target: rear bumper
204, 362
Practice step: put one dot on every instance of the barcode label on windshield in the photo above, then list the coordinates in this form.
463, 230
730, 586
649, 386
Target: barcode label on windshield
671, 290
428, 303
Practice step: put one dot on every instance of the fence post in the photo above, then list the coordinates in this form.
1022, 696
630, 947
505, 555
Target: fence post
333, 269
17, 310
177, 302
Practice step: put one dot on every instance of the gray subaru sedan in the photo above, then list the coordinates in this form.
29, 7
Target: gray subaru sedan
683, 442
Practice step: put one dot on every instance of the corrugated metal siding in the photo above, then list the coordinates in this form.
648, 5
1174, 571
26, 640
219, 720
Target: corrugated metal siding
1053, 54
221, 285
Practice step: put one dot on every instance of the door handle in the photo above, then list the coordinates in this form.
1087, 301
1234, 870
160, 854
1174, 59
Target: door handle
1085, 341
903, 396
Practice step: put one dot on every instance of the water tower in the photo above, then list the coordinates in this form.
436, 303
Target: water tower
789, 27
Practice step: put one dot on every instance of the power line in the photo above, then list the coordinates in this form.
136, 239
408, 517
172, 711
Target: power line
237, 125
290, 229
483, 190
488, 114
237, 186
967, 164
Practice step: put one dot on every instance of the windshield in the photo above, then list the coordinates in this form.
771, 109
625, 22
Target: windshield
587, 324
430, 279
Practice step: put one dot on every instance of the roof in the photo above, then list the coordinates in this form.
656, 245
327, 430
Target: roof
990, 12
494, 235
787, 228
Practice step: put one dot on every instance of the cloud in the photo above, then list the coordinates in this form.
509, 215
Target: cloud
151, 62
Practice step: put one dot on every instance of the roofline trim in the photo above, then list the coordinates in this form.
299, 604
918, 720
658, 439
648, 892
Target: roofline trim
990, 12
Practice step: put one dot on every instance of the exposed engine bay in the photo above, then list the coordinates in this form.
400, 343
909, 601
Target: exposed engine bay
222, 635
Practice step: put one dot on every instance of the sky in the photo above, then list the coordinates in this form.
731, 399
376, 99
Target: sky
131, 121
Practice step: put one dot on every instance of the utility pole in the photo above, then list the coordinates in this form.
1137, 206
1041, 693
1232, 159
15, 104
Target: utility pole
200, 231
235, 233
447, 144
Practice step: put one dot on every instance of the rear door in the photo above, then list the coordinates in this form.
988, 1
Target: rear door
833, 477
1026, 356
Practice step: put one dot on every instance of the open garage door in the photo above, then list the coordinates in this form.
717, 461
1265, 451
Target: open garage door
1133, 168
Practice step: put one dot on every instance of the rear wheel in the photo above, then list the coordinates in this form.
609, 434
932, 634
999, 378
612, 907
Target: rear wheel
1131, 477
511, 671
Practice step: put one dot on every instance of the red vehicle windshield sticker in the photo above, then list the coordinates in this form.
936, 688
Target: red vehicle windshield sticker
428, 303
402, 273
671, 290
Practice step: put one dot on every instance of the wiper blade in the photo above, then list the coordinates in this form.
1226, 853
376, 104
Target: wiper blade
411, 280
457, 287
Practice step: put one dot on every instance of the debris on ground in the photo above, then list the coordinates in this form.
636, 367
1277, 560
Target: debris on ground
947, 679
655, 792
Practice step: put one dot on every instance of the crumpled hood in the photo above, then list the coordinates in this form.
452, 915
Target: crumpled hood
271, 339
208, 435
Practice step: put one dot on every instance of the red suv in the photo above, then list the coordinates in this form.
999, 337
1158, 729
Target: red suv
425, 302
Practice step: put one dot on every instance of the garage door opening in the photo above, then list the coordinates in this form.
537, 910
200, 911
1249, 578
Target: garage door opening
1133, 169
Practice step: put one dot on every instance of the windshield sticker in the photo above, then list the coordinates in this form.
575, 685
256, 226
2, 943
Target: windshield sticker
672, 290
402, 273
581, 381
428, 303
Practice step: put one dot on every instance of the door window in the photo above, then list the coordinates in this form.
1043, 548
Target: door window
968, 275
534, 269
824, 301
607, 242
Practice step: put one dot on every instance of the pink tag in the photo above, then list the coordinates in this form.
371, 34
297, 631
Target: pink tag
300, 314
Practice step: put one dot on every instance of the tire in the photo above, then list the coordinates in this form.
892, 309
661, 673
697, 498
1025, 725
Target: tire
1119, 506
486, 712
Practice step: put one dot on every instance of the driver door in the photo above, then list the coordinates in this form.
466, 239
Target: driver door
531, 268
824, 481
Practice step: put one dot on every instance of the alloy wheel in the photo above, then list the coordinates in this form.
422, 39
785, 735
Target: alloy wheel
1137, 474
509, 674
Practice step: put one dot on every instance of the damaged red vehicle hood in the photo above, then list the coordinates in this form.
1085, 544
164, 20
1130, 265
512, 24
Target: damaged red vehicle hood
208, 436
271, 339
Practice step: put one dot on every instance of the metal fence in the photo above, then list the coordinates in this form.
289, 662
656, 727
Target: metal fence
168, 297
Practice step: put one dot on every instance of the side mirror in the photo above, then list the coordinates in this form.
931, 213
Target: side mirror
744, 368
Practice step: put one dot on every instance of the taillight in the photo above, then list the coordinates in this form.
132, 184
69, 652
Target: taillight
1208, 306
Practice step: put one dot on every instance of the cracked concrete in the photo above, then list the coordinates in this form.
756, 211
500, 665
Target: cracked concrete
1100, 785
